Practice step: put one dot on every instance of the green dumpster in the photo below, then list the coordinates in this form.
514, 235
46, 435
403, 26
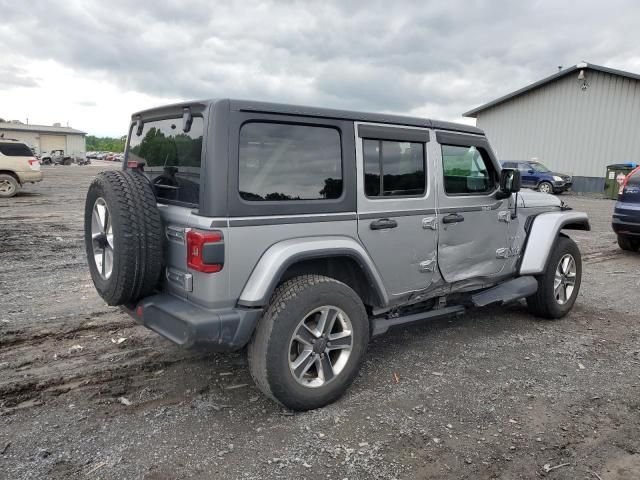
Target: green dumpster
615, 177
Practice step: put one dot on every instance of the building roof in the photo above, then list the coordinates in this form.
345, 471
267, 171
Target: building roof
551, 78
23, 127
297, 110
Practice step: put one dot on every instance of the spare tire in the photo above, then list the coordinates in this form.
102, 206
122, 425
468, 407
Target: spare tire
123, 236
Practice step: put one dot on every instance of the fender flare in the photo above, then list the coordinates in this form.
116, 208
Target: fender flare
280, 256
542, 236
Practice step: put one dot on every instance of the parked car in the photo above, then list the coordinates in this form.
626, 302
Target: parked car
303, 232
18, 166
626, 214
56, 157
537, 176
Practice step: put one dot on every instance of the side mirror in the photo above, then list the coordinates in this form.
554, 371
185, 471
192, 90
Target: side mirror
509, 182
530, 171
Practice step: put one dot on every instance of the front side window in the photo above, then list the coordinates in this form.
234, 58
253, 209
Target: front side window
467, 170
280, 162
393, 169
171, 158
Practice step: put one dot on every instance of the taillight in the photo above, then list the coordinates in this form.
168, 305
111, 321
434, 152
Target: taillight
34, 164
205, 251
626, 179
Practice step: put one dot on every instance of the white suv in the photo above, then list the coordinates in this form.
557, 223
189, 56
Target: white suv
18, 166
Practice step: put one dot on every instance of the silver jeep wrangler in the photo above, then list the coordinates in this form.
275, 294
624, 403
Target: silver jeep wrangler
302, 232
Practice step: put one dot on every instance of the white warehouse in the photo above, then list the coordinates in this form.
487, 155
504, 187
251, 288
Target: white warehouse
45, 138
577, 122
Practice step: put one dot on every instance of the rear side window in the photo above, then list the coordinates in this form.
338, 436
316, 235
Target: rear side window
281, 162
467, 170
171, 158
393, 169
15, 150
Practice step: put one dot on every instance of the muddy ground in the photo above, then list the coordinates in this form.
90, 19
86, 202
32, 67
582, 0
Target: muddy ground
495, 394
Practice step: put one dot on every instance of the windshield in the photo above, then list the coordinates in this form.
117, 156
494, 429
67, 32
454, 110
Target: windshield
538, 167
171, 158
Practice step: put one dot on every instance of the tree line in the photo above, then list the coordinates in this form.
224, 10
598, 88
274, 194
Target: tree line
105, 144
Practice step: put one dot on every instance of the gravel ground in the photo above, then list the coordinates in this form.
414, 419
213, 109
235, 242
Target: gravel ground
86, 393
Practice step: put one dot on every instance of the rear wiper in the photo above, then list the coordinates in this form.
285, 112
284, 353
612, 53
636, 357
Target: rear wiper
170, 187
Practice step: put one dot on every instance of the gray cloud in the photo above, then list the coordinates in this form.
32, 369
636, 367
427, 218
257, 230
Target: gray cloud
445, 57
12, 76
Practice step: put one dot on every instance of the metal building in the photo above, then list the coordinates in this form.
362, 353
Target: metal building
577, 121
44, 138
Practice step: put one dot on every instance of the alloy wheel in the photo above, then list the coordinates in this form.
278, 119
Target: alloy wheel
320, 346
565, 279
102, 238
6, 187
545, 188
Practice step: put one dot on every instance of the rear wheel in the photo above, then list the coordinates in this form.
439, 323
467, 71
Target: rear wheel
629, 244
545, 187
559, 285
309, 345
9, 186
123, 236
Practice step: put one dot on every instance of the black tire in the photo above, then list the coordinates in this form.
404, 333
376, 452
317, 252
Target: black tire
628, 244
137, 236
545, 187
270, 348
9, 186
544, 303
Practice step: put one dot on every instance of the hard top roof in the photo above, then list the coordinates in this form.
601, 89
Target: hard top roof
299, 110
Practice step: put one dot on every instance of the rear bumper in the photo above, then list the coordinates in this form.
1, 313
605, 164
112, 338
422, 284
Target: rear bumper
625, 228
31, 176
189, 325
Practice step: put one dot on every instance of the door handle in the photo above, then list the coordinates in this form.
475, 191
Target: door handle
453, 218
383, 224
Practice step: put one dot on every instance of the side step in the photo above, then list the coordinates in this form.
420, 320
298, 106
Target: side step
381, 325
509, 291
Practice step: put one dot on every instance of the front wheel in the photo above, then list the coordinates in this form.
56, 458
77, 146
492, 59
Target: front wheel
308, 347
559, 284
545, 187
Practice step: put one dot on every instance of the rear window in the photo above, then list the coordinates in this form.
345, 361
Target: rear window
15, 150
171, 158
284, 162
634, 179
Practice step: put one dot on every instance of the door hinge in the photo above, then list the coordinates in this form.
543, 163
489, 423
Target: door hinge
430, 223
504, 216
508, 252
428, 265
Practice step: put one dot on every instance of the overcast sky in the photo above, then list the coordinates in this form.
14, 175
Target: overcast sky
93, 63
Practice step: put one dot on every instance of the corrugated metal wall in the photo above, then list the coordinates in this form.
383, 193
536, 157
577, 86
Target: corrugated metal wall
75, 144
31, 139
570, 130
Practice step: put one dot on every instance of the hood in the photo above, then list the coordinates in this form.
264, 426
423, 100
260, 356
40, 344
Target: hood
529, 198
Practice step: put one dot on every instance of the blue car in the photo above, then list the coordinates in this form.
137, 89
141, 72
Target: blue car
535, 175
626, 214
